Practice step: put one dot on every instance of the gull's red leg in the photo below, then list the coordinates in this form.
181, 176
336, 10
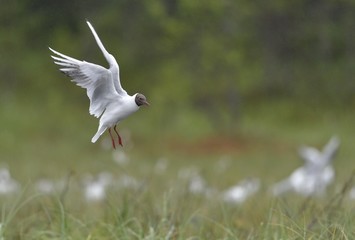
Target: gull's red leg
112, 139
119, 137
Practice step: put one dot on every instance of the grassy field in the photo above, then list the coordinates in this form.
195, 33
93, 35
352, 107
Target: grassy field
150, 197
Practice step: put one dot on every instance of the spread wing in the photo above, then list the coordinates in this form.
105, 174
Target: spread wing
112, 62
330, 150
97, 80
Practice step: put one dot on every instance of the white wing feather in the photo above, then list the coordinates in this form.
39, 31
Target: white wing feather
114, 68
330, 150
97, 80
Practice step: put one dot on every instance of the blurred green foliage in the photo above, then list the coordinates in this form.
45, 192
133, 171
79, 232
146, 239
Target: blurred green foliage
203, 60
258, 77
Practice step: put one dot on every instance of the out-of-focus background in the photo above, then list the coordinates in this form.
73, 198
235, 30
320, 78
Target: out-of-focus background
235, 84
233, 73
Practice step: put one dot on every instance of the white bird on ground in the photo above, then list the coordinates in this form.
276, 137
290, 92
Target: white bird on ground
242, 191
47, 186
108, 100
315, 176
95, 187
7, 184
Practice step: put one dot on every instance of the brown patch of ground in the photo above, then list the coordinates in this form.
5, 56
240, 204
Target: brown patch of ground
212, 144
221, 144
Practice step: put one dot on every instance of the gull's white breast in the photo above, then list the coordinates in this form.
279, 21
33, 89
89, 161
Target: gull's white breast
118, 110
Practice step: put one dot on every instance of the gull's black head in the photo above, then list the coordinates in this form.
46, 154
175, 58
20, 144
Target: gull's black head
141, 100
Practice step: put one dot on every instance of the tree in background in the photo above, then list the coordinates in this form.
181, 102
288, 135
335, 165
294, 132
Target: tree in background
197, 57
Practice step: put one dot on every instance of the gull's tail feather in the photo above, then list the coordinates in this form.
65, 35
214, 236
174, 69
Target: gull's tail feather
100, 131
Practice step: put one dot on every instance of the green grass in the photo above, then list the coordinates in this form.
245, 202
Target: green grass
54, 144
174, 214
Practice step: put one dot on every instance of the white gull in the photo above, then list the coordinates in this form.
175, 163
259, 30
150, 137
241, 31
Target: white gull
315, 175
108, 100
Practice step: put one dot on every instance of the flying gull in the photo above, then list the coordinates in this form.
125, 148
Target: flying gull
108, 100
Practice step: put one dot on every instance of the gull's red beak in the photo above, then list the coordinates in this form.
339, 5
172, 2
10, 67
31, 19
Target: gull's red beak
146, 103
